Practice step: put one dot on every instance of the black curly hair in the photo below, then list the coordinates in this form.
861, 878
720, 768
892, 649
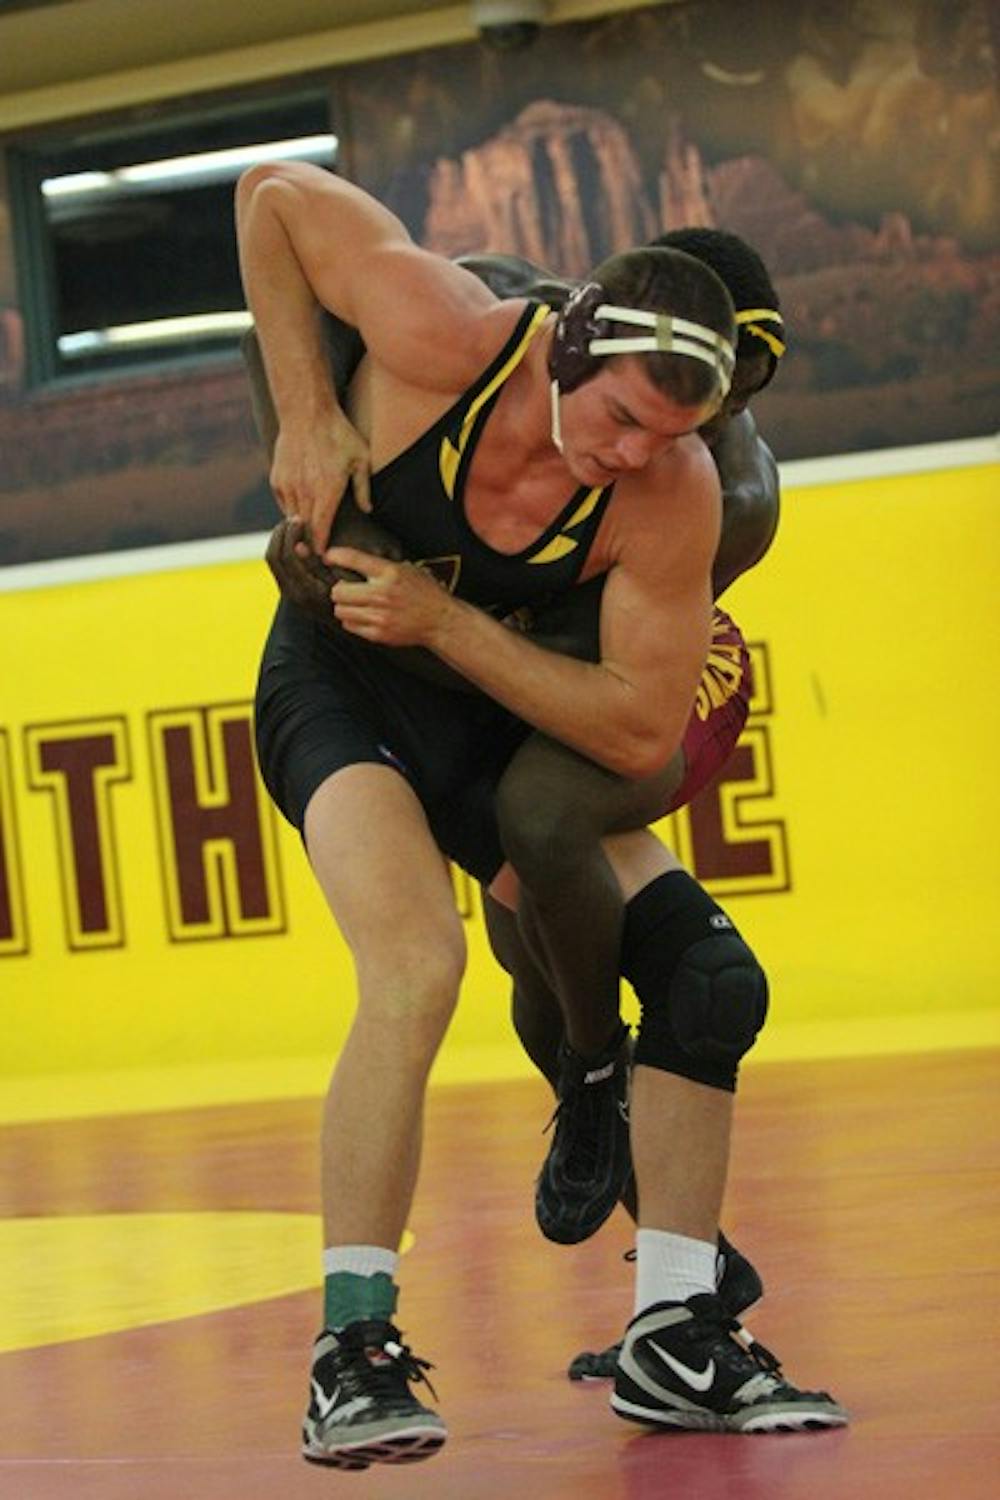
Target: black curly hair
662, 278
745, 275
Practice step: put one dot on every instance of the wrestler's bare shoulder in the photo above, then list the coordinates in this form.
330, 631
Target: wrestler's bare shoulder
671, 506
392, 403
447, 340
681, 484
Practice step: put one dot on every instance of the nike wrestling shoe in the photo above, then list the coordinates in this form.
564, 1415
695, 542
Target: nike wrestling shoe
687, 1364
589, 1160
361, 1408
738, 1287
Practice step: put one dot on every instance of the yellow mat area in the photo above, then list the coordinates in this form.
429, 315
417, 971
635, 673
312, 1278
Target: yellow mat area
67, 1096
74, 1276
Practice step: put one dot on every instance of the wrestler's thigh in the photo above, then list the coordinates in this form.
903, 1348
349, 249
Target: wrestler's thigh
544, 774
383, 877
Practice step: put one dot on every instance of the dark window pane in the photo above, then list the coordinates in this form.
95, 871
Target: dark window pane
138, 232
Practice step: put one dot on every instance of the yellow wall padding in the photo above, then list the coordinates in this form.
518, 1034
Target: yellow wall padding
869, 784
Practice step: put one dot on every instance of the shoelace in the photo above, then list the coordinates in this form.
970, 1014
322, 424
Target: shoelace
365, 1377
587, 1142
414, 1368
758, 1353
721, 1322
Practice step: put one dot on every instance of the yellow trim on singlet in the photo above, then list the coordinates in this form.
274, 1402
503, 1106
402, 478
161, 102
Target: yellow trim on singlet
584, 508
451, 453
448, 462
562, 544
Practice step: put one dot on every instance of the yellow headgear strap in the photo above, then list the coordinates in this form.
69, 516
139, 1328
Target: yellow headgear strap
752, 317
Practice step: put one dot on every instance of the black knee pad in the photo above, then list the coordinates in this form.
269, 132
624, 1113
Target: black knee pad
703, 993
718, 998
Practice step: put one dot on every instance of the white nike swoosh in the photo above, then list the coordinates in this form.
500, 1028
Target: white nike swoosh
698, 1380
324, 1403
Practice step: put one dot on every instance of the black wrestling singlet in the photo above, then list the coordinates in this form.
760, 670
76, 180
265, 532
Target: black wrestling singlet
419, 497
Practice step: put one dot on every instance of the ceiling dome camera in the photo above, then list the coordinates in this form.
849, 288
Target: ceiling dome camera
508, 25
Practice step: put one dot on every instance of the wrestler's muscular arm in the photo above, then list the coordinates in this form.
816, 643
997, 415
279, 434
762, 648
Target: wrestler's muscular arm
750, 499
309, 240
627, 711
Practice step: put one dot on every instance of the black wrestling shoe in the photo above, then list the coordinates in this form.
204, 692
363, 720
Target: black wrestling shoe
589, 1161
361, 1408
739, 1288
686, 1364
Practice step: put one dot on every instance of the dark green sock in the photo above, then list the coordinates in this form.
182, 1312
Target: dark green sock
349, 1298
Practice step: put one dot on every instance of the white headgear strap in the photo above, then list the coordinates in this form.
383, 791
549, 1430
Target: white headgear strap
670, 336
556, 425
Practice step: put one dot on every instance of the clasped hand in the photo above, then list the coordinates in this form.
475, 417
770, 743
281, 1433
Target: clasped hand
392, 602
395, 604
311, 469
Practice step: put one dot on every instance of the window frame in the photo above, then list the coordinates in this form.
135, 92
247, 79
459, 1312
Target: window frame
33, 243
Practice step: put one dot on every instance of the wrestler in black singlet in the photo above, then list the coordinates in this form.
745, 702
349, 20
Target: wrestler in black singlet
326, 699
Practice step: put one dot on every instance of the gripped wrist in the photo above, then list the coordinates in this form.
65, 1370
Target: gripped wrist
447, 627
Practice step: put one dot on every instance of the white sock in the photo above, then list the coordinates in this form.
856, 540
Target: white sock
361, 1260
671, 1267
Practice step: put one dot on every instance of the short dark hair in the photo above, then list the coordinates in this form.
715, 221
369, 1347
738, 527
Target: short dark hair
665, 279
744, 274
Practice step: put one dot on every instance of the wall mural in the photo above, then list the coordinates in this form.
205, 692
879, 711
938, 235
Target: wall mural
857, 146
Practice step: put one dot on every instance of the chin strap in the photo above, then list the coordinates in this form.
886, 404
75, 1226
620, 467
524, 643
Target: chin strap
555, 426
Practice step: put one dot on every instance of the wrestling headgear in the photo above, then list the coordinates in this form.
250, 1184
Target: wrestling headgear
585, 331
